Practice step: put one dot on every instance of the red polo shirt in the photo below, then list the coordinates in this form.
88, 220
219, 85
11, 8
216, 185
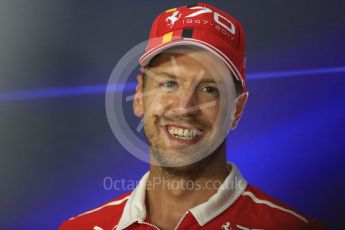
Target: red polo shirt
236, 205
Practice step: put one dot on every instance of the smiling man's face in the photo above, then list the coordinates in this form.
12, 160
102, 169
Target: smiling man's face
183, 102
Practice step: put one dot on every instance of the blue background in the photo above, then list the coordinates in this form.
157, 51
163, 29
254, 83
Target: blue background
56, 146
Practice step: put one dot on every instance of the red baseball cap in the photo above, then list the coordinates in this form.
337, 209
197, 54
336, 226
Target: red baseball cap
200, 25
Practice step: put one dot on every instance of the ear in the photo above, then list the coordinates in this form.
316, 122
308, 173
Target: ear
138, 106
240, 102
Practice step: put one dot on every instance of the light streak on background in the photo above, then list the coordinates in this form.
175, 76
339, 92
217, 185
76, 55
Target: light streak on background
100, 89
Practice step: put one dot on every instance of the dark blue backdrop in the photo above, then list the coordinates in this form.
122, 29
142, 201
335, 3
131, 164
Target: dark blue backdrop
56, 146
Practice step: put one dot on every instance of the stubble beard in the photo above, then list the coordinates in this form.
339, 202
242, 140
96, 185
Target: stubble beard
170, 165
191, 171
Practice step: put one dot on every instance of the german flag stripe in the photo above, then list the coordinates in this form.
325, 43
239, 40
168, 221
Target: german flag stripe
167, 37
187, 33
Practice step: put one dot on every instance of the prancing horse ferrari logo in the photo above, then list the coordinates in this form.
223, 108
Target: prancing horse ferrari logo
173, 18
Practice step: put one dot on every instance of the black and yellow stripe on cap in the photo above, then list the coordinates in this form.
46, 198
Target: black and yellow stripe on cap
187, 33
167, 37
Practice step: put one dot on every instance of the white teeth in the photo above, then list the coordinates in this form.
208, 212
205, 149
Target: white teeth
185, 134
180, 132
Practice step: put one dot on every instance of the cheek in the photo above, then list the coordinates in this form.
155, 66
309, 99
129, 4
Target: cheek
211, 113
157, 104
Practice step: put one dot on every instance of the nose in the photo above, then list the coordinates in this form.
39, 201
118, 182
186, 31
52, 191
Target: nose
186, 104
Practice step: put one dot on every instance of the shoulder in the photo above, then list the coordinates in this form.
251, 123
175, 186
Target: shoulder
271, 213
103, 217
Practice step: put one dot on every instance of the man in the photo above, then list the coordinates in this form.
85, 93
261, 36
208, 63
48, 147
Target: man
190, 93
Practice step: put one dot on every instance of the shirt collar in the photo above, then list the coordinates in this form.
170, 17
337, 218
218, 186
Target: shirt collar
232, 187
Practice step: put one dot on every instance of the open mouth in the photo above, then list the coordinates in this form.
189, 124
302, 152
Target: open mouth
183, 135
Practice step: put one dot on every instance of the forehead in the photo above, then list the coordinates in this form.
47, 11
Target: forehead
187, 60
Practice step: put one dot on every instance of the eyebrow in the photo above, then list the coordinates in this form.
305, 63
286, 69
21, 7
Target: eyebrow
166, 74
202, 81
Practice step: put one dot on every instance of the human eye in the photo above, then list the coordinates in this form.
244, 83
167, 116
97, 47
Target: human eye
169, 84
209, 90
